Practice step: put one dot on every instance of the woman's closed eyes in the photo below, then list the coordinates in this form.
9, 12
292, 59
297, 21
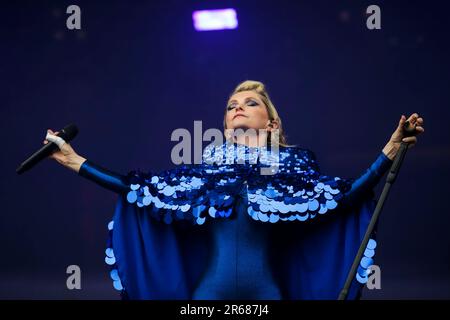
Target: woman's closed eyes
250, 103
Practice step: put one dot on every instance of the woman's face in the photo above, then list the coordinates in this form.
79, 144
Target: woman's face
246, 110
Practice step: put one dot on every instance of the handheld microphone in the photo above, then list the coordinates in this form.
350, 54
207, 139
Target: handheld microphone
67, 134
409, 129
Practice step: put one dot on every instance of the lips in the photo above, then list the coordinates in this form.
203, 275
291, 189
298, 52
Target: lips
239, 115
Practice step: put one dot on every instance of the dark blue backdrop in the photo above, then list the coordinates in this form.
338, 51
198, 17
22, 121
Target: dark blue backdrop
138, 70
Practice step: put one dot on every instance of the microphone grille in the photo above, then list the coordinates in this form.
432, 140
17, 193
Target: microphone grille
69, 132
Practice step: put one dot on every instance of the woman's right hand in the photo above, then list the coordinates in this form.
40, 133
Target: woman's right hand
66, 155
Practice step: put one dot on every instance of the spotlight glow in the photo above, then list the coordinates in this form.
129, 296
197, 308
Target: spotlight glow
205, 20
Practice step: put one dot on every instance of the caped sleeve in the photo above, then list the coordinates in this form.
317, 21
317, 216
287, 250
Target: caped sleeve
361, 186
298, 190
189, 192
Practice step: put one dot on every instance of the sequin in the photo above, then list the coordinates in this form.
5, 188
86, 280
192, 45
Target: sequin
270, 193
134, 187
366, 262
360, 279
131, 197
331, 204
146, 201
200, 220
155, 180
253, 213
168, 191
109, 252
118, 285
313, 205
196, 211
323, 209
369, 253
274, 218
114, 275
111, 225
212, 212
372, 244
281, 207
302, 207
264, 208
334, 191
227, 213
363, 272
110, 260
158, 203
195, 182
263, 217
185, 208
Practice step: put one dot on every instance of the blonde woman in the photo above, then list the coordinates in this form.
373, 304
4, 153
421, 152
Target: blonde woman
222, 230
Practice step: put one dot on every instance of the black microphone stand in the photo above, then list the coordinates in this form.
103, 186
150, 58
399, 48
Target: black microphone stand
409, 130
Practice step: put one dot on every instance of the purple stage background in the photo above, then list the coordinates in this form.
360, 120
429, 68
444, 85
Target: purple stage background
137, 70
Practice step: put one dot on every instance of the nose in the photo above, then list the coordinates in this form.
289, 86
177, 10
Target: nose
239, 106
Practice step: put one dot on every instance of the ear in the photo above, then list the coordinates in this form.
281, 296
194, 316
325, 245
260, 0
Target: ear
272, 124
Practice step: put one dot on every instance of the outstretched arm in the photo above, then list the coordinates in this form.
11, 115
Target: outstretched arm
368, 180
104, 177
85, 168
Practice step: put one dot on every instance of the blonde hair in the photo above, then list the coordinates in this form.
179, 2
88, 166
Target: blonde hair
260, 89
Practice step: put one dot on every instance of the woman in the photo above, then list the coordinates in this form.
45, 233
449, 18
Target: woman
222, 230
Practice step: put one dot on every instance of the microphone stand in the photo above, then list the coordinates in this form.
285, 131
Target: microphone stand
409, 130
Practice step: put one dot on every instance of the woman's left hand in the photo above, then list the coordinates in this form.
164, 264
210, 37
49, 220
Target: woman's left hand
393, 145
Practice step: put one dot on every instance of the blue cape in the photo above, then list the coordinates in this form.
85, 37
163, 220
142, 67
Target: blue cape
159, 237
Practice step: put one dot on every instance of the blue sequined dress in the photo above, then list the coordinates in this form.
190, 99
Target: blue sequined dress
224, 230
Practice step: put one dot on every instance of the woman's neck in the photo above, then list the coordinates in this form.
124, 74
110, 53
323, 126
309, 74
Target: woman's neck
252, 141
